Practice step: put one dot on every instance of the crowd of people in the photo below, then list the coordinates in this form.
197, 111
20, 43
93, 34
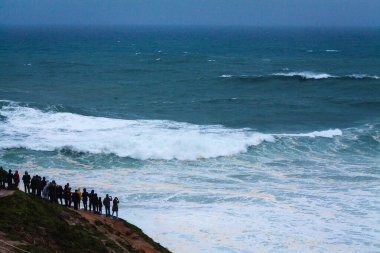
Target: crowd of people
53, 192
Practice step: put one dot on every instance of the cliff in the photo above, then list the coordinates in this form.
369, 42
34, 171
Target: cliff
30, 224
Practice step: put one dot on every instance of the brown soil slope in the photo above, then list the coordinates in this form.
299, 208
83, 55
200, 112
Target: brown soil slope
29, 224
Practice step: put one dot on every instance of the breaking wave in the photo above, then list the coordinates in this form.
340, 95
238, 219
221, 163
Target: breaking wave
303, 75
30, 128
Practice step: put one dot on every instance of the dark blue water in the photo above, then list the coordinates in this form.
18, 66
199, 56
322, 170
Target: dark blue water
270, 134
174, 74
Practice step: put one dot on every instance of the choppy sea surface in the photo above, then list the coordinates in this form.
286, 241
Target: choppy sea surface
214, 139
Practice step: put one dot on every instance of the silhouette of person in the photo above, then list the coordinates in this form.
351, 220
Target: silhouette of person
85, 198
91, 200
115, 207
100, 205
10, 179
107, 204
59, 193
26, 180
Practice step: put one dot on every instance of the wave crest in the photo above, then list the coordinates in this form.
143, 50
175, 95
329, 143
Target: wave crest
302, 75
30, 128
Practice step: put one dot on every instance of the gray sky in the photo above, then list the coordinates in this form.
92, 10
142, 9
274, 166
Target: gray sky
192, 12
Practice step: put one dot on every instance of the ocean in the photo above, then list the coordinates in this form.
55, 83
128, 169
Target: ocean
214, 139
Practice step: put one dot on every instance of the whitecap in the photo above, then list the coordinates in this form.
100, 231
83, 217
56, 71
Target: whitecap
305, 75
325, 133
364, 76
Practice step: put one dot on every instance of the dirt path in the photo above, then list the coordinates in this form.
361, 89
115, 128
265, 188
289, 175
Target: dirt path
4, 193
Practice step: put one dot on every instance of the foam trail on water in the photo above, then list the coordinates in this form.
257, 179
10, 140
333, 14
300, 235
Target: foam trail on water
327, 134
305, 75
30, 128
364, 76
225, 76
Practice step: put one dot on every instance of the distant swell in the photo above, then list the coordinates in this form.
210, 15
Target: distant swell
30, 128
304, 75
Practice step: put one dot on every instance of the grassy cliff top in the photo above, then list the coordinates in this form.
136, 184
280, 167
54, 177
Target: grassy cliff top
35, 225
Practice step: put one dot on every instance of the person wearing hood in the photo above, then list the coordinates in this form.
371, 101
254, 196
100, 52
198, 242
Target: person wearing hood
115, 207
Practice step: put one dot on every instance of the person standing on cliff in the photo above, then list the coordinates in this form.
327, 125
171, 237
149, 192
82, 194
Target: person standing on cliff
16, 179
76, 200
95, 203
3, 178
59, 193
107, 203
85, 198
79, 193
100, 205
91, 200
115, 207
26, 180
33, 185
67, 194
38, 185
53, 192
43, 183
10, 179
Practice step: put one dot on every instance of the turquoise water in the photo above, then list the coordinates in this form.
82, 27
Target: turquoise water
214, 139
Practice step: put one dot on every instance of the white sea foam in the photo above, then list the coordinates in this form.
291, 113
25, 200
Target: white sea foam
331, 50
305, 74
225, 76
364, 76
326, 133
140, 139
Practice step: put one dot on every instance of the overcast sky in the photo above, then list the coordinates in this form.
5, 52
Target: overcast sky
192, 12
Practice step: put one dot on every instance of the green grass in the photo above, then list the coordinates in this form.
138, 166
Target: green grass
49, 227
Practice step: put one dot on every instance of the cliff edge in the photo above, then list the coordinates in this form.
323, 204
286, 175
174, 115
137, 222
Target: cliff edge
30, 224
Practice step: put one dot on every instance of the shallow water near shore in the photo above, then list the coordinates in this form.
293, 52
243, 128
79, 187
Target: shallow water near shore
214, 140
